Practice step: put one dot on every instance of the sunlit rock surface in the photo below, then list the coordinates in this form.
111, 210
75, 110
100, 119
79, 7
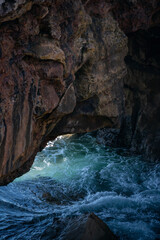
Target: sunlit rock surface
62, 71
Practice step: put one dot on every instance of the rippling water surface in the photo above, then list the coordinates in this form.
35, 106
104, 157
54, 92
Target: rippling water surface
75, 175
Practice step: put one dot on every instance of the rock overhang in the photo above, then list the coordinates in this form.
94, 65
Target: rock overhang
62, 71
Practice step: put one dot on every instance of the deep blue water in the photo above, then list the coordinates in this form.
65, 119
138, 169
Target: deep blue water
75, 175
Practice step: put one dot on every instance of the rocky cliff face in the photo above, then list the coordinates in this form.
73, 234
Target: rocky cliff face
62, 70
140, 129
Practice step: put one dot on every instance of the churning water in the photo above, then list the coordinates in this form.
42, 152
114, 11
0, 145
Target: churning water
75, 175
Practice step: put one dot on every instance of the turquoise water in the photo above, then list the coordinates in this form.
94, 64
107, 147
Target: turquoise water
75, 175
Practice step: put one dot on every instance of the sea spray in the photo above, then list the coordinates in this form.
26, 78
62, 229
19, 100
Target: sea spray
75, 175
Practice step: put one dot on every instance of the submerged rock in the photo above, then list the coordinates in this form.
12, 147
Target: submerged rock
108, 136
49, 198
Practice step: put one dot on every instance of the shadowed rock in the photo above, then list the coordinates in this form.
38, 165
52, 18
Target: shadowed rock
89, 228
46, 49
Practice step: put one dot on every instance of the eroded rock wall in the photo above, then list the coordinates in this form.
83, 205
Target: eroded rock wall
62, 71
140, 128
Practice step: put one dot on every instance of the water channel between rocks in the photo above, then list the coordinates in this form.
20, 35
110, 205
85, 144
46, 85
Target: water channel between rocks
75, 175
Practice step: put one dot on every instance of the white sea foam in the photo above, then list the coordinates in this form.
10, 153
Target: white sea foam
83, 177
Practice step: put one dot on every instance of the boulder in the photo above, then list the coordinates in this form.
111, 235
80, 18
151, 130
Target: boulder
89, 227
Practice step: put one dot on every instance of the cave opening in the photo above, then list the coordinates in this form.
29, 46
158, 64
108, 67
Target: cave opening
75, 175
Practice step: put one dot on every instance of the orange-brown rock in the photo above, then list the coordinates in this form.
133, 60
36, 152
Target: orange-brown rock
62, 71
